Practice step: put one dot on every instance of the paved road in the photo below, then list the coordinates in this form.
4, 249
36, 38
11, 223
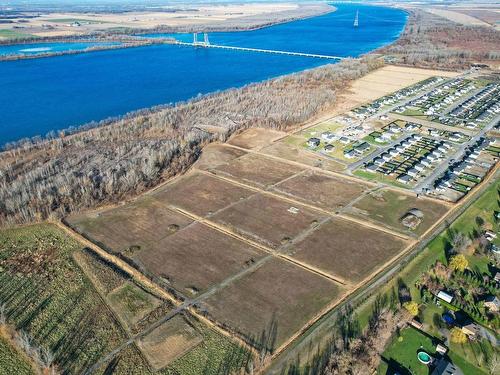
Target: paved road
432, 124
376, 153
428, 181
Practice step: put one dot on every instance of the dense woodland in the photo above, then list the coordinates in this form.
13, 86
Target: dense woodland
432, 41
123, 157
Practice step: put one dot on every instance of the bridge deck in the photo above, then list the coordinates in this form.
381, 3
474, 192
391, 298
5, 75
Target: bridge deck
261, 50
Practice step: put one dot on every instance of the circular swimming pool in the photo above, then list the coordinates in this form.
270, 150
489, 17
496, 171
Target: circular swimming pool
424, 358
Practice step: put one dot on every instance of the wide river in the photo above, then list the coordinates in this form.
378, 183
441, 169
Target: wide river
40, 95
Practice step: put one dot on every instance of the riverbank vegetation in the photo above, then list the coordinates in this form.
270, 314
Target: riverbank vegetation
117, 159
435, 42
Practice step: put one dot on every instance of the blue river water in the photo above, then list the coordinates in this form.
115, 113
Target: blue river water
40, 95
33, 49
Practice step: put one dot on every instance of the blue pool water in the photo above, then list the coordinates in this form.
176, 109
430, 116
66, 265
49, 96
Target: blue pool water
41, 48
40, 95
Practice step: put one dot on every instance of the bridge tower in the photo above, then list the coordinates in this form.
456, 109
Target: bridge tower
356, 19
205, 39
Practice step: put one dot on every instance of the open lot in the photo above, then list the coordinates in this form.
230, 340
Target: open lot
388, 208
201, 194
169, 342
258, 170
284, 150
85, 20
196, 258
347, 250
327, 192
268, 220
278, 298
215, 155
132, 303
386, 80
129, 227
256, 138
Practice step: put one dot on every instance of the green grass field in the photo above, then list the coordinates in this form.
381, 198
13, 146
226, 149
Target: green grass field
404, 350
13, 34
380, 178
13, 362
71, 20
48, 295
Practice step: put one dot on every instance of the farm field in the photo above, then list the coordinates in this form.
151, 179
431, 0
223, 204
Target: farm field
208, 244
388, 207
277, 298
169, 341
127, 226
256, 138
268, 220
257, 170
201, 194
215, 155
324, 191
48, 296
347, 250
284, 150
387, 80
196, 258
12, 361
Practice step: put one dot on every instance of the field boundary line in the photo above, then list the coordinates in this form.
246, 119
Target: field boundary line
408, 251
309, 206
296, 163
145, 281
275, 253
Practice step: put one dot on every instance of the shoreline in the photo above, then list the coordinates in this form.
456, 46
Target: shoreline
130, 41
72, 130
244, 23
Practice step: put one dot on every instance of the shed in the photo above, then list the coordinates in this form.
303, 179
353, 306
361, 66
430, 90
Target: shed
445, 296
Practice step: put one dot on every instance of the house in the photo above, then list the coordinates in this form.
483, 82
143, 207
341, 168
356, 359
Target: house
328, 136
344, 140
492, 303
444, 367
445, 296
386, 157
350, 154
378, 161
362, 148
329, 148
419, 167
497, 277
313, 142
490, 235
393, 152
371, 167
404, 178
412, 172
472, 330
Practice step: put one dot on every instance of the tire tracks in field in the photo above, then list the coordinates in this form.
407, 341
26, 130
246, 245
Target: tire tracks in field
186, 305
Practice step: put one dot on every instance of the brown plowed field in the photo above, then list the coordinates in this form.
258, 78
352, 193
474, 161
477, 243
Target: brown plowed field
268, 220
278, 291
346, 249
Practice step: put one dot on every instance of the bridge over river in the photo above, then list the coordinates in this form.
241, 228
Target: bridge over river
206, 44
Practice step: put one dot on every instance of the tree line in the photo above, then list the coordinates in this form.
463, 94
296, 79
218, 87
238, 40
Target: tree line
115, 159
